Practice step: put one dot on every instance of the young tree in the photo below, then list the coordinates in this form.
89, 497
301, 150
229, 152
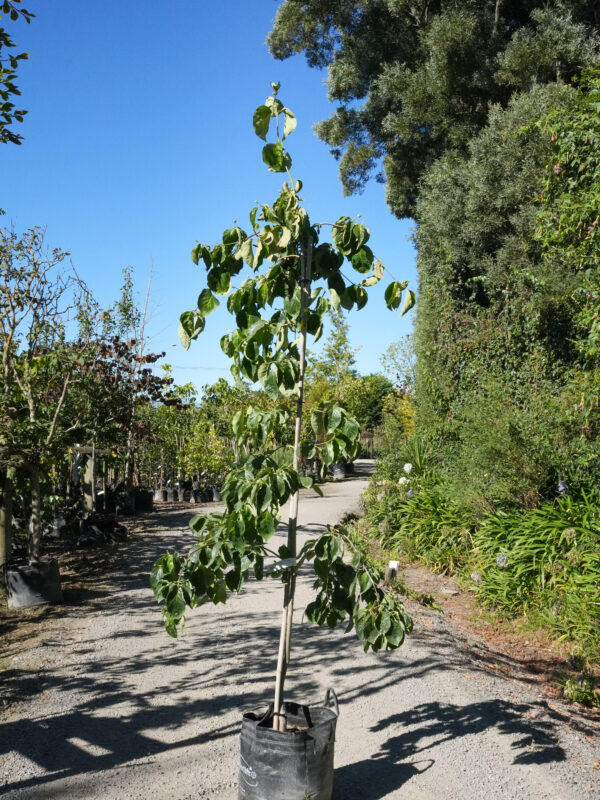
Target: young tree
337, 359
119, 377
38, 364
275, 311
399, 362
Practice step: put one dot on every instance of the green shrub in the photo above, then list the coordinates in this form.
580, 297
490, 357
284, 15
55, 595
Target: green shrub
417, 521
544, 561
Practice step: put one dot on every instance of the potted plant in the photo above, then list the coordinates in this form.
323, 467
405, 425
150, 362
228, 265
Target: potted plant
294, 281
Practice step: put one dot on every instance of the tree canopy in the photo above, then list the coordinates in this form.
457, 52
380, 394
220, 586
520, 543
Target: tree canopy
415, 79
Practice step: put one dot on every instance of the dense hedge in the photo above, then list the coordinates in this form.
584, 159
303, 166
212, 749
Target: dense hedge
500, 371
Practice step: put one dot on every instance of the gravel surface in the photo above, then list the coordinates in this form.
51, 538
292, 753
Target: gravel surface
119, 710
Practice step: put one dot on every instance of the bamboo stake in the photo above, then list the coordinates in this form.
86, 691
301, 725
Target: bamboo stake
285, 638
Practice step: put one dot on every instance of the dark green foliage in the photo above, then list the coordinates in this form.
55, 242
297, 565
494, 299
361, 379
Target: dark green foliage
495, 328
544, 562
417, 521
9, 63
415, 80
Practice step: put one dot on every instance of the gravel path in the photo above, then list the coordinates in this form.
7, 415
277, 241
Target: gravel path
126, 712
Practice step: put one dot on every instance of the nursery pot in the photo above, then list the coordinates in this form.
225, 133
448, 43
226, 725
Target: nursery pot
33, 584
338, 471
144, 500
296, 764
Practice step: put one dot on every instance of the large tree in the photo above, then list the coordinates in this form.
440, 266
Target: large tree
413, 79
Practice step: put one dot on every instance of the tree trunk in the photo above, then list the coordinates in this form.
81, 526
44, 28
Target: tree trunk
6, 521
285, 636
129, 465
35, 524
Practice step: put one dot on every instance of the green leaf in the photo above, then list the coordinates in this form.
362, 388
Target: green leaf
183, 337
219, 280
328, 453
393, 294
170, 624
362, 260
271, 385
350, 428
321, 568
334, 548
364, 582
244, 252
361, 297
372, 280
360, 623
234, 580
207, 302
201, 252
192, 325
176, 604
276, 158
260, 121
317, 422
220, 595
409, 302
333, 418
348, 297
395, 635
290, 123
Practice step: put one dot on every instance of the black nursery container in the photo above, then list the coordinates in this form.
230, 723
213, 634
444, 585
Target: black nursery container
293, 765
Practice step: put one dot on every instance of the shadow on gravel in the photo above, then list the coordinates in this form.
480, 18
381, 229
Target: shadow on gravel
430, 724
115, 722
97, 734
376, 777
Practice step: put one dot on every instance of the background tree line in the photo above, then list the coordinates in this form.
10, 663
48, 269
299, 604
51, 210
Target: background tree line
481, 119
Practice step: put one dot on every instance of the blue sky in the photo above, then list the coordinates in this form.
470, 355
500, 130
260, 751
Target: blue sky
138, 143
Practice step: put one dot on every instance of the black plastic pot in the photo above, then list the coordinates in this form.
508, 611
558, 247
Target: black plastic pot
296, 764
144, 500
338, 471
33, 584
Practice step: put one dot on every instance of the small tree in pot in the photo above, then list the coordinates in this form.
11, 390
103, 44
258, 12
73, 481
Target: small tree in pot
275, 311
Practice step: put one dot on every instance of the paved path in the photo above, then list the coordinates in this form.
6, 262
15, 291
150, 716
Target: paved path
126, 712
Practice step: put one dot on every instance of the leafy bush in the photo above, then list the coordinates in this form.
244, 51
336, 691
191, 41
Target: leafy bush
417, 521
393, 434
503, 386
545, 561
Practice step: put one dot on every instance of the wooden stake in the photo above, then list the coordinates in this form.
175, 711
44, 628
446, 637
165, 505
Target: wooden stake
285, 636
